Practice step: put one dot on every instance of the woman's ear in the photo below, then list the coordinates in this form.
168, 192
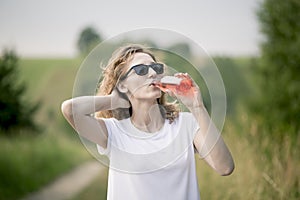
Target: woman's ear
122, 87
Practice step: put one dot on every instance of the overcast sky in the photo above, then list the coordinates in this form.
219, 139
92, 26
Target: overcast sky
50, 28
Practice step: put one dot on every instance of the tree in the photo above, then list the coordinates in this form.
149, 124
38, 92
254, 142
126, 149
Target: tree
279, 65
16, 113
182, 48
87, 40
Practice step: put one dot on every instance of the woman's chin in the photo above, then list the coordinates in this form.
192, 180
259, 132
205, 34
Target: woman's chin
154, 94
157, 92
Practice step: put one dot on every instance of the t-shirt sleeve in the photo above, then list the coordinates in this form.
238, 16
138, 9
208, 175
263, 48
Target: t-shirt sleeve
192, 125
106, 151
191, 122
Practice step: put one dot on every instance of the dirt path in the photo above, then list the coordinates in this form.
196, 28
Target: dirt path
70, 184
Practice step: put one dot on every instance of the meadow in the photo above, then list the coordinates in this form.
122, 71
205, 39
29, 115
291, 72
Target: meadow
265, 168
29, 160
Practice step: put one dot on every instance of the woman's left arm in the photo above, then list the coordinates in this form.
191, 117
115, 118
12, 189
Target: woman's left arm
208, 140
210, 144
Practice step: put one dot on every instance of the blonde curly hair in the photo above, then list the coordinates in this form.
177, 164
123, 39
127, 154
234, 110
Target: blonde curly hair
114, 71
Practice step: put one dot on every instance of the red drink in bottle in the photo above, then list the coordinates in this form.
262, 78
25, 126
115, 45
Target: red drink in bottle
178, 85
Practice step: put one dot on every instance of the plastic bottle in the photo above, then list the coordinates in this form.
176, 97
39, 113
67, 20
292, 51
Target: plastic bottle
177, 85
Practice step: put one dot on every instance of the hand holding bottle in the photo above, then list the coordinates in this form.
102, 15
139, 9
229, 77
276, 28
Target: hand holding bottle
180, 85
183, 87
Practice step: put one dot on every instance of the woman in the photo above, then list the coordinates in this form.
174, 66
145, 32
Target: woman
149, 143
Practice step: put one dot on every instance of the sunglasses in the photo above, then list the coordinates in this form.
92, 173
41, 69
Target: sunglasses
142, 69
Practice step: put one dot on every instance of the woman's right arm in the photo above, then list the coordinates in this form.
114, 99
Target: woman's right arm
78, 112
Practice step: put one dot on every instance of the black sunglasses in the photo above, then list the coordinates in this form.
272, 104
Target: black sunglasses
142, 69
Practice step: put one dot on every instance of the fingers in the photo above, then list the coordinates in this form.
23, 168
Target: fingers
182, 75
186, 76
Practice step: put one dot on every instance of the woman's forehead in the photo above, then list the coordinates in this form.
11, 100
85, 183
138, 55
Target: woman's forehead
140, 58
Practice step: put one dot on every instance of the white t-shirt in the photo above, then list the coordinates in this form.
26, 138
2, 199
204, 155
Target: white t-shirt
151, 166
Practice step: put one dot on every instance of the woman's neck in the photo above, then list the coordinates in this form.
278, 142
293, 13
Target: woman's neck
146, 116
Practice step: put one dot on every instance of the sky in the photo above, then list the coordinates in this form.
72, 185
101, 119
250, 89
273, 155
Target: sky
50, 28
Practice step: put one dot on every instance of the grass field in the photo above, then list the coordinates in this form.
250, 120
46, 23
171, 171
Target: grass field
29, 161
265, 169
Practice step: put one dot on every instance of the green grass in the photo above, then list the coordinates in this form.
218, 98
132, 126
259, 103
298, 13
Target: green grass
38, 72
49, 81
29, 161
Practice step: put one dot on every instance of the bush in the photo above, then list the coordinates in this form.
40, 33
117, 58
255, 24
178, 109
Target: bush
279, 68
16, 113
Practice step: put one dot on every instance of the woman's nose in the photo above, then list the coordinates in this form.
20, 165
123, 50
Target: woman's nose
151, 73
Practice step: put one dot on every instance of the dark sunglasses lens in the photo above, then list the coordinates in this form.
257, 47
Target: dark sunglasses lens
158, 68
141, 70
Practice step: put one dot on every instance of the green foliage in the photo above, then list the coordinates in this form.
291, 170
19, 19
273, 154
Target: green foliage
16, 113
29, 161
279, 69
88, 39
233, 75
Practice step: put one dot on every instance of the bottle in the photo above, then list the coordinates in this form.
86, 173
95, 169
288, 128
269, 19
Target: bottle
178, 85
